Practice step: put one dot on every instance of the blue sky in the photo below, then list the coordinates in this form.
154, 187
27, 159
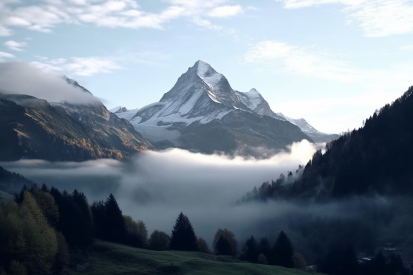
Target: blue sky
332, 62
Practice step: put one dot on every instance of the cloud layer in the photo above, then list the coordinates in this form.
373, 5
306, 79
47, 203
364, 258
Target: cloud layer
156, 186
24, 78
107, 13
375, 17
282, 57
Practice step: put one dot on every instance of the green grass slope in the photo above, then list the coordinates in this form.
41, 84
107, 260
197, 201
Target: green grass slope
109, 258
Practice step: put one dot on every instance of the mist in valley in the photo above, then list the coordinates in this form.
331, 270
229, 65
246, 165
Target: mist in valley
156, 186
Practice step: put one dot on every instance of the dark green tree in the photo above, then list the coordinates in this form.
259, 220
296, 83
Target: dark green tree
251, 250
223, 246
183, 236
115, 229
283, 251
264, 248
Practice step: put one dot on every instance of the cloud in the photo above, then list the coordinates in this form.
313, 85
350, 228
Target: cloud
282, 57
24, 78
81, 66
15, 46
109, 13
407, 47
7, 55
377, 18
90, 65
226, 11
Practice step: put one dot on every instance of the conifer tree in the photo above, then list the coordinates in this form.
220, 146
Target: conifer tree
264, 248
115, 229
250, 250
283, 251
183, 236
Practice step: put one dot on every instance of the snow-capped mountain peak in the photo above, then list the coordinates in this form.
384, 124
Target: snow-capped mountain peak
204, 69
201, 95
253, 92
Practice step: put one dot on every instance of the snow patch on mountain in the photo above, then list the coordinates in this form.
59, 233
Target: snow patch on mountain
122, 112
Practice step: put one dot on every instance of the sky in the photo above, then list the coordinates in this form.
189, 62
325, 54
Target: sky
332, 62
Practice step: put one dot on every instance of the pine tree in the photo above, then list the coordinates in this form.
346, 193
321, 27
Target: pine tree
115, 229
264, 248
250, 250
183, 236
283, 251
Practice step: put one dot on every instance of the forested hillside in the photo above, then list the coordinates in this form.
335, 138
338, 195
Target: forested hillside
375, 159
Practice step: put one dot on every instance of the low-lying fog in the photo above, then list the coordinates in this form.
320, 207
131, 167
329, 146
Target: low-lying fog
156, 186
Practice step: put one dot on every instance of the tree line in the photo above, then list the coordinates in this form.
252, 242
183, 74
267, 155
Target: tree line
42, 228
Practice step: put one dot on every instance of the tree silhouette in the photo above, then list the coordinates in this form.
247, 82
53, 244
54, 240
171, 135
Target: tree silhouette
115, 229
223, 246
283, 251
159, 240
251, 250
228, 244
183, 236
203, 246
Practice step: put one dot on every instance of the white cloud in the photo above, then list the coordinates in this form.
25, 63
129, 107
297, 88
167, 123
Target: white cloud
91, 65
375, 17
407, 47
109, 13
40, 83
281, 57
82, 66
15, 46
4, 31
7, 55
226, 11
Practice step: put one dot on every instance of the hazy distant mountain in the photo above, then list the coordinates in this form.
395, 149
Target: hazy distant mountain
36, 129
203, 113
122, 112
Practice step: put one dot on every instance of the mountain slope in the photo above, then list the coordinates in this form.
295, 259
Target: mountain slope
12, 182
203, 113
33, 128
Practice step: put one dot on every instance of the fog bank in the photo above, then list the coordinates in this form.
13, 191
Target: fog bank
27, 79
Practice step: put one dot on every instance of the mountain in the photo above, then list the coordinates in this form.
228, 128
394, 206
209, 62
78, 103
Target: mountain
122, 112
202, 113
36, 129
12, 182
374, 160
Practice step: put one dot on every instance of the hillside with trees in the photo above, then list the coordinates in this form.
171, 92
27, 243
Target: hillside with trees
45, 231
375, 159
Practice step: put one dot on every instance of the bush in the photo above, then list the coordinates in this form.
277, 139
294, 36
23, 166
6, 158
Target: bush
225, 243
203, 246
137, 235
262, 259
299, 261
159, 240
